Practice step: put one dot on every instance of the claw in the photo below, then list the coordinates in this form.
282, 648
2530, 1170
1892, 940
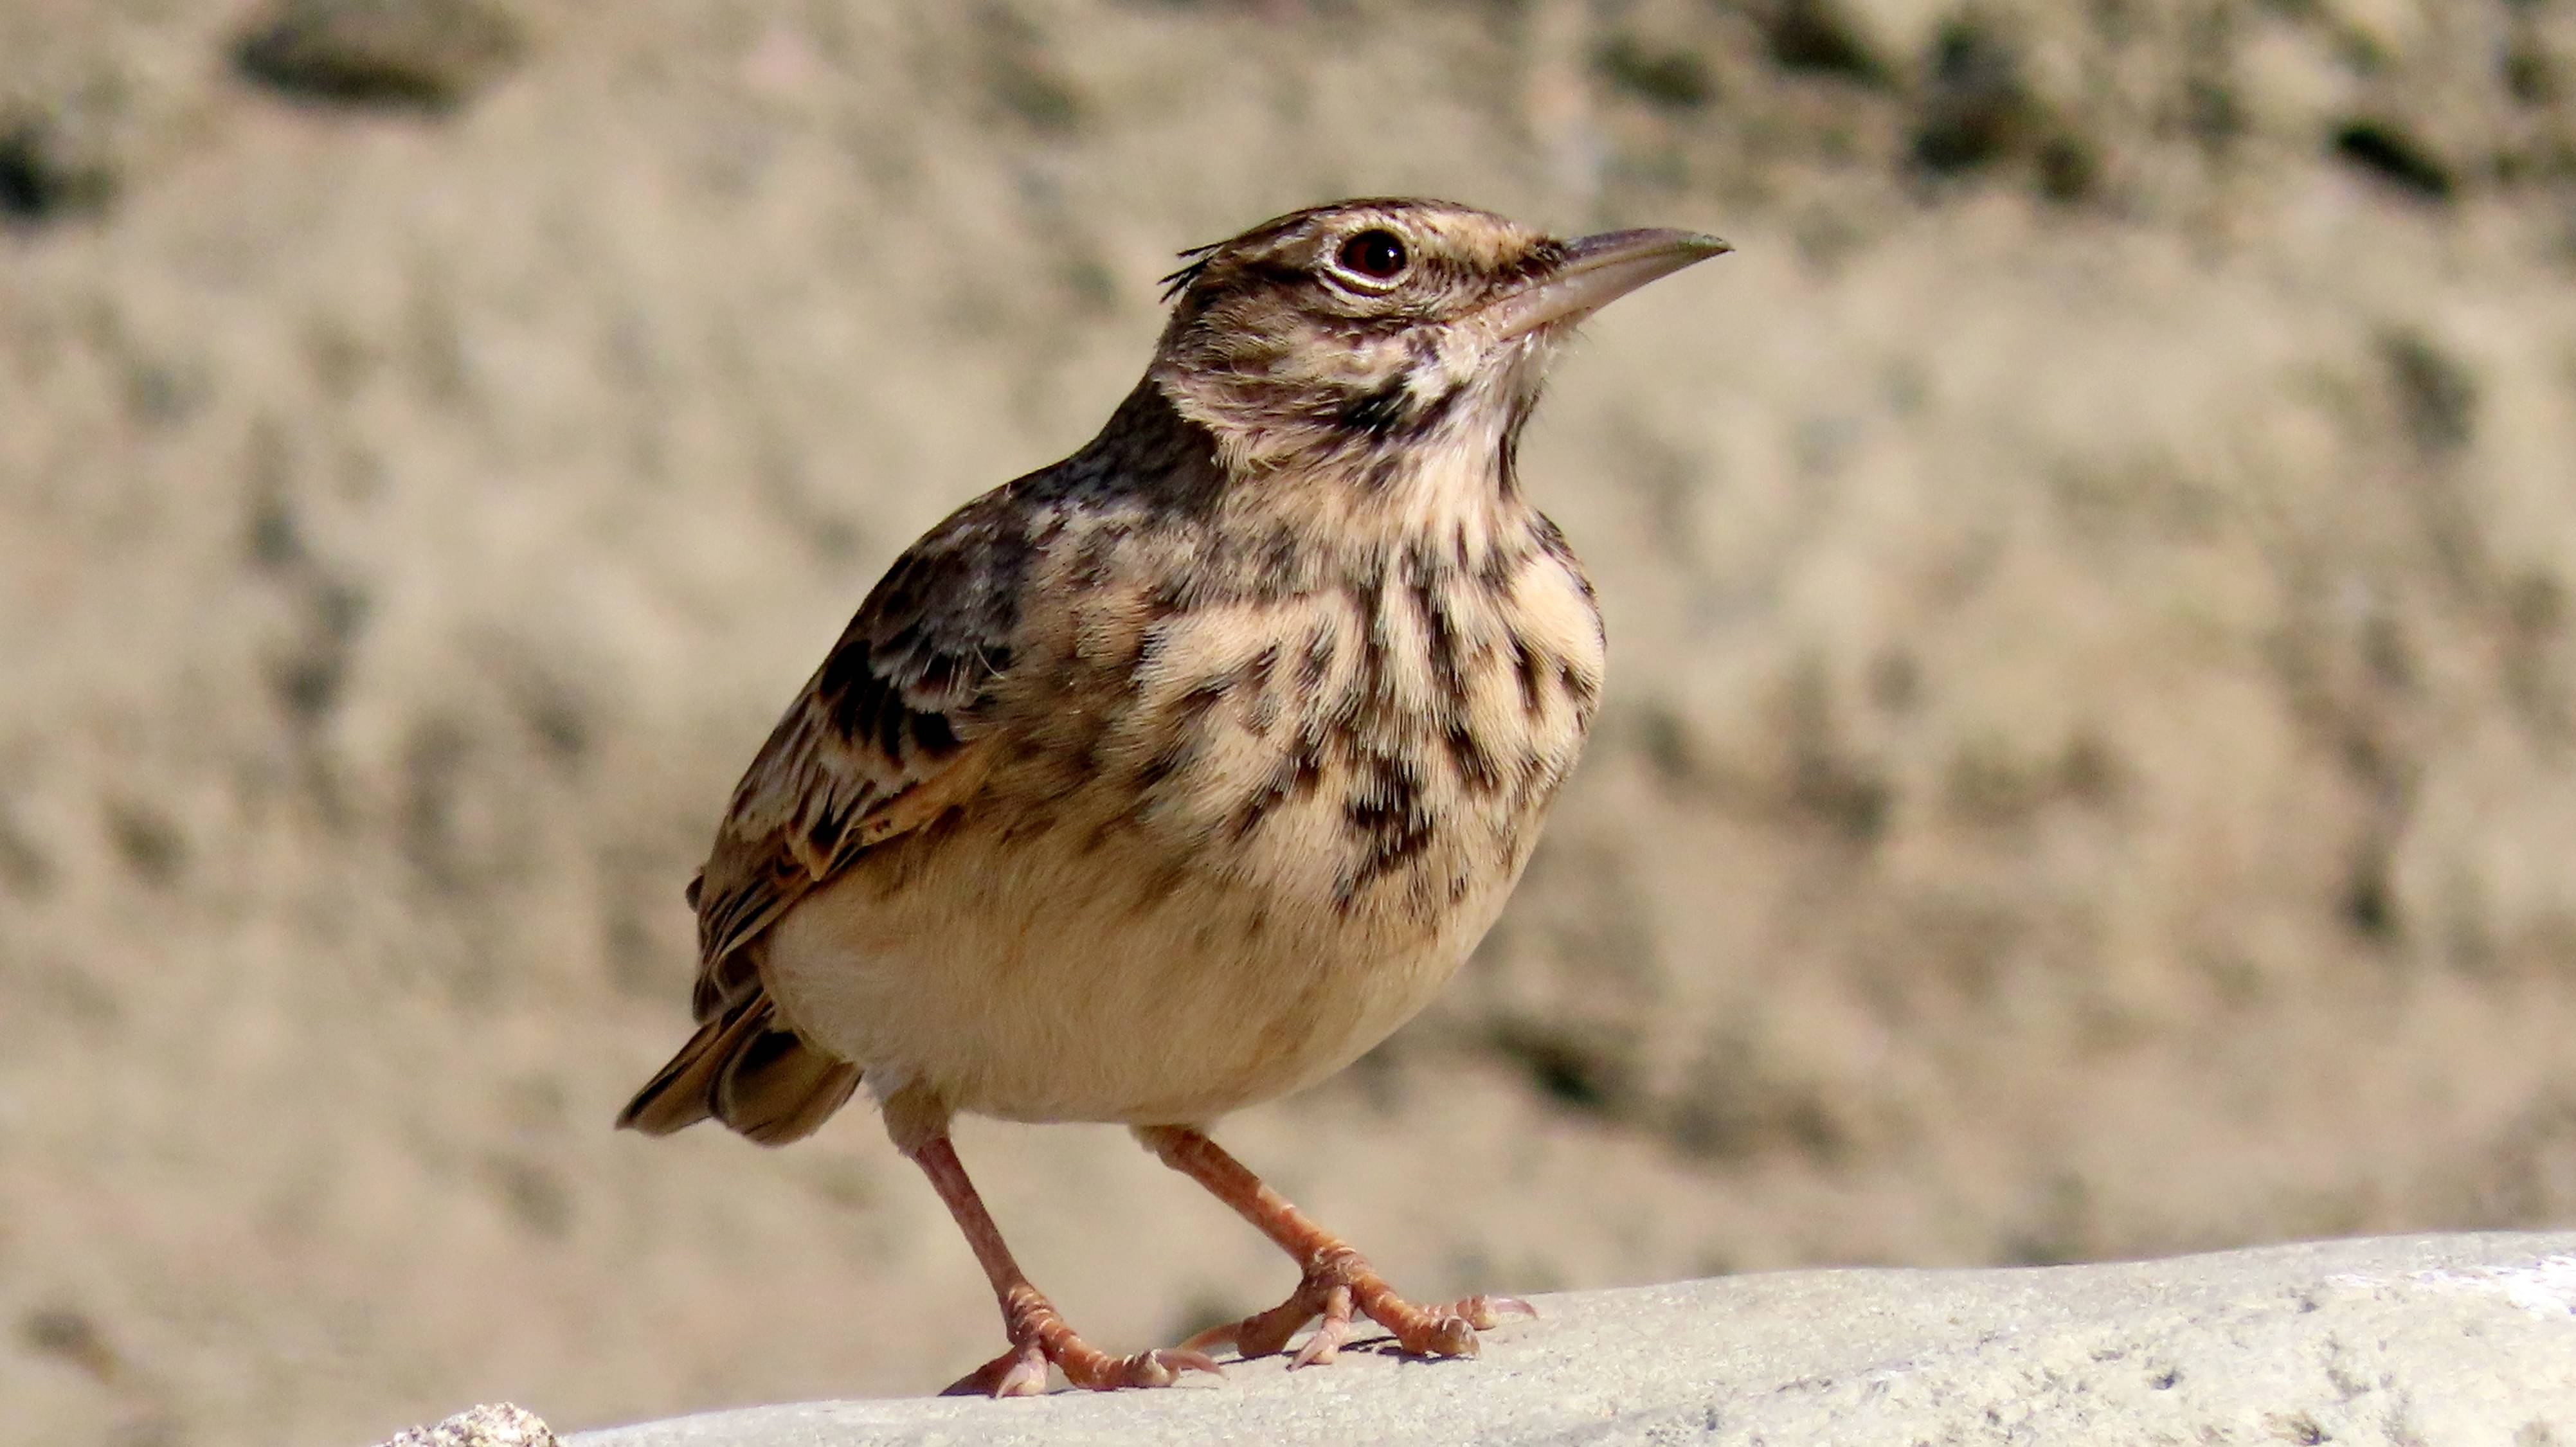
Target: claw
1177, 1360
1484, 1313
1026, 1378
1019, 1372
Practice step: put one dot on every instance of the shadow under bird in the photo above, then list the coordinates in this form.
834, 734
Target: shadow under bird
1171, 778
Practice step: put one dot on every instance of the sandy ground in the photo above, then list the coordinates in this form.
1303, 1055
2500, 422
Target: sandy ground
2090, 763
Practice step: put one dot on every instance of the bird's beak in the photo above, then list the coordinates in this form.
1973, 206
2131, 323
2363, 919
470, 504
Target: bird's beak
1596, 271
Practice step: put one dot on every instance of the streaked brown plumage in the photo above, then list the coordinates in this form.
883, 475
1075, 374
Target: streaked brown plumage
1170, 778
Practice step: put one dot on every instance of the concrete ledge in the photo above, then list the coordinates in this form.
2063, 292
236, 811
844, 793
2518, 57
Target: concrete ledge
2424, 1341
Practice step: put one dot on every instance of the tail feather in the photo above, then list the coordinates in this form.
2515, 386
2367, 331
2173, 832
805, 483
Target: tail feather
744, 1069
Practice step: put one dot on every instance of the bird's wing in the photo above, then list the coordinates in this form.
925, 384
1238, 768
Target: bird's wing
887, 735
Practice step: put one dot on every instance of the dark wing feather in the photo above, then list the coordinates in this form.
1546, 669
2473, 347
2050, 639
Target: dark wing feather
893, 732
884, 738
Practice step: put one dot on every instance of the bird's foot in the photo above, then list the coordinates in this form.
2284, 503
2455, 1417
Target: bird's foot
1341, 1286
1039, 1337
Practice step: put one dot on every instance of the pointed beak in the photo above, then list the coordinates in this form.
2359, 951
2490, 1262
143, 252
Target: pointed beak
1596, 271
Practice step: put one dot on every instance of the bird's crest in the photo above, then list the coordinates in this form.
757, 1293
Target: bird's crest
1194, 261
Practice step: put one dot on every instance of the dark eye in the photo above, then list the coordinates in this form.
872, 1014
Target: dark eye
1375, 254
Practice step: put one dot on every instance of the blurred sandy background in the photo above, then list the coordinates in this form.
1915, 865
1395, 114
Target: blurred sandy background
2090, 765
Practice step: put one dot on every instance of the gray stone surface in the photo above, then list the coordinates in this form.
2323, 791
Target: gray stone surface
492, 1424
2425, 1341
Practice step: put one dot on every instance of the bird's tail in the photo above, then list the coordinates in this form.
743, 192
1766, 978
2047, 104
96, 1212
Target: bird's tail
747, 1070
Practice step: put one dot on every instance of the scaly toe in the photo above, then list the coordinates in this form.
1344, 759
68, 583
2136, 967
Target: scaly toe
1325, 1344
1022, 1371
1145, 1369
1260, 1335
1450, 1336
1435, 1331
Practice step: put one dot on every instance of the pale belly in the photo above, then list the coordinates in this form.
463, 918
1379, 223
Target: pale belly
1225, 850
1042, 981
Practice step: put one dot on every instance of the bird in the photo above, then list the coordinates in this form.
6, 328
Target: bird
1171, 778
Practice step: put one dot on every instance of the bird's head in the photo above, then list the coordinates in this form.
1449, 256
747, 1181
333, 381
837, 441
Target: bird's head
1364, 332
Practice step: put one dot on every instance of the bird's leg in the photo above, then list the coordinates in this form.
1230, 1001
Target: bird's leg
1338, 1280
1038, 1333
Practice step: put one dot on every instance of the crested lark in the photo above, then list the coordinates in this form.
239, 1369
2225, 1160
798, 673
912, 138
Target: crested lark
1172, 777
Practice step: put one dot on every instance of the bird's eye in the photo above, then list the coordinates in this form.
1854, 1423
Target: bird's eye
1376, 254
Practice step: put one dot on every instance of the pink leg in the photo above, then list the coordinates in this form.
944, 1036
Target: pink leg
1038, 1334
1338, 1280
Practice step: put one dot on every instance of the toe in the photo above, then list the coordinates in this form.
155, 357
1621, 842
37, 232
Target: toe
1435, 1332
1261, 1335
1450, 1336
1325, 1344
1268, 1335
1145, 1369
